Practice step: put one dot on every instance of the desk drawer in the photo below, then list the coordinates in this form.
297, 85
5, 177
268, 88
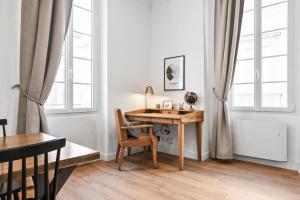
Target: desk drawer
162, 121
175, 112
139, 119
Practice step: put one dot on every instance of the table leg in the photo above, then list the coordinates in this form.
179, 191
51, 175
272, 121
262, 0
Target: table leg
199, 140
181, 145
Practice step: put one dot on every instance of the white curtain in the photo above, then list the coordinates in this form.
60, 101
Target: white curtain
43, 28
227, 26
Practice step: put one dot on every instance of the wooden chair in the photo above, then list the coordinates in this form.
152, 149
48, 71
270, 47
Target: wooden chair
23, 153
143, 140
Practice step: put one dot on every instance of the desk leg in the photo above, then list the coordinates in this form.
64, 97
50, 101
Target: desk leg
199, 140
181, 145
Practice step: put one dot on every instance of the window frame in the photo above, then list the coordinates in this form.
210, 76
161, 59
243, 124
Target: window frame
69, 107
258, 66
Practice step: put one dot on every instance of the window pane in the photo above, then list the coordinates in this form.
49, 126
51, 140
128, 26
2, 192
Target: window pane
270, 2
82, 47
248, 5
82, 95
248, 23
246, 48
274, 17
82, 71
243, 95
274, 94
82, 20
87, 4
56, 99
63, 51
274, 43
60, 76
244, 72
274, 69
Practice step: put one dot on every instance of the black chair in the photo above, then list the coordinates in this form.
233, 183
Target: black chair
16, 184
21, 153
3, 123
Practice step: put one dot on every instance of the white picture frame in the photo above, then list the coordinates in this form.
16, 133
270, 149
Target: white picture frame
167, 105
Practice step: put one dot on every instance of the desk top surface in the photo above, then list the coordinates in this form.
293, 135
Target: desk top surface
71, 154
185, 115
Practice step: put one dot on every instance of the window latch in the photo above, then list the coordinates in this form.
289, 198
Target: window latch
256, 75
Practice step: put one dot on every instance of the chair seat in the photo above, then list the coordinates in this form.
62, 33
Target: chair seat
143, 139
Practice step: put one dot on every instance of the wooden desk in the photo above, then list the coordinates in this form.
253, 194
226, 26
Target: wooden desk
71, 156
172, 117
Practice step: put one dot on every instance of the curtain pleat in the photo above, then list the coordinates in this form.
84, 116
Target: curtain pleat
227, 27
43, 28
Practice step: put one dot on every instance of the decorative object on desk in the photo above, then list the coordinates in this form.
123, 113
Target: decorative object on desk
175, 106
148, 92
191, 99
180, 107
167, 104
174, 73
158, 106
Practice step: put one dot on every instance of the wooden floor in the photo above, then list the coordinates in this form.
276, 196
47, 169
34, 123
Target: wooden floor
209, 180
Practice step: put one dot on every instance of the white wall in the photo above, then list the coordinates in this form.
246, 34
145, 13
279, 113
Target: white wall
9, 60
128, 61
177, 28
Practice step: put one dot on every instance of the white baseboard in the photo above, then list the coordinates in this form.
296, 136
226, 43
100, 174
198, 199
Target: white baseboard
193, 155
168, 150
187, 154
298, 170
107, 157
285, 165
112, 156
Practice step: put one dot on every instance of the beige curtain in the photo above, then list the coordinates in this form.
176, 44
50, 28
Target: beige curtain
43, 27
228, 18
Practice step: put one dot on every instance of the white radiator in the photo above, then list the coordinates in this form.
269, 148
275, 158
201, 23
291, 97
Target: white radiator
260, 139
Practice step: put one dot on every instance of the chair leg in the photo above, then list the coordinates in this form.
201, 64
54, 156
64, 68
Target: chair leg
154, 155
145, 152
129, 151
118, 152
122, 154
16, 196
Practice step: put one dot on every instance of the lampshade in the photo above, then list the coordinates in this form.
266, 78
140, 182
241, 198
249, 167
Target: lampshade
149, 90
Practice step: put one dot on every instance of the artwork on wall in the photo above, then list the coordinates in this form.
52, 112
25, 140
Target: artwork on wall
174, 73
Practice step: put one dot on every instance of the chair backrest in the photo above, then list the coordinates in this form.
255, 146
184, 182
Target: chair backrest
3, 123
34, 150
122, 133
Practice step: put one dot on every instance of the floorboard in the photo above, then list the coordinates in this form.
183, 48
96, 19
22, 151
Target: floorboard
209, 180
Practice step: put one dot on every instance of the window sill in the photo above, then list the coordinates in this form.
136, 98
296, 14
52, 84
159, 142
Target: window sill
70, 112
290, 109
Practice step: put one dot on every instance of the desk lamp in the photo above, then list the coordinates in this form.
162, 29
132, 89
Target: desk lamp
148, 92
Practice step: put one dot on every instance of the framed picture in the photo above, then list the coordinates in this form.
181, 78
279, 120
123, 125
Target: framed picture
167, 104
174, 73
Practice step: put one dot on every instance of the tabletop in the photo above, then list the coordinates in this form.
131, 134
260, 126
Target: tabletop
72, 154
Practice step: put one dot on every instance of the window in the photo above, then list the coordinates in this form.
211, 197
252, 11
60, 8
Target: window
261, 75
73, 89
